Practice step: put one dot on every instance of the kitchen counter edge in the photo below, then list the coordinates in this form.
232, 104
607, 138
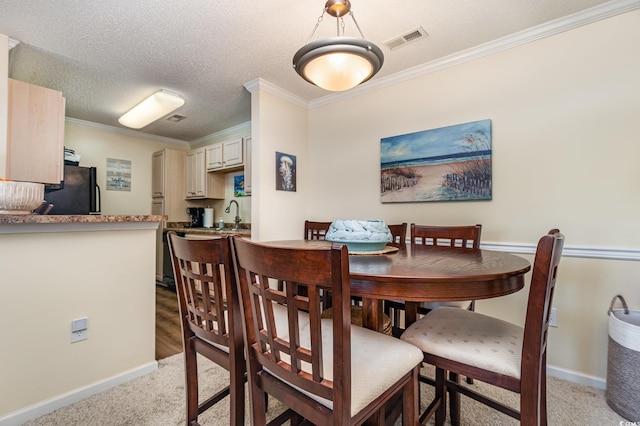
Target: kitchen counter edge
210, 231
10, 224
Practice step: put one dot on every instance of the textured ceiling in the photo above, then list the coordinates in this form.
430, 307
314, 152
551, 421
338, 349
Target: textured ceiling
107, 56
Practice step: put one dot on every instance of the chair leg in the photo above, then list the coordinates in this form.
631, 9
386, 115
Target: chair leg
410, 399
543, 398
258, 405
441, 395
191, 382
236, 394
543, 390
454, 401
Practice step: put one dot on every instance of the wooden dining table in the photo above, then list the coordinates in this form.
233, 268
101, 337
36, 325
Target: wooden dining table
421, 273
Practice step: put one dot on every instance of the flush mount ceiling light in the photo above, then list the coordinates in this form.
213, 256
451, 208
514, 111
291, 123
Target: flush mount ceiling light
338, 63
151, 109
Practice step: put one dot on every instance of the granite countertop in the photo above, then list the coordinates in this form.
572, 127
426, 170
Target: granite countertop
245, 229
33, 218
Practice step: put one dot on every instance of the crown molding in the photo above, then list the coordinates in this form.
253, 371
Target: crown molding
126, 132
261, 84
588, 16
240, 128
13, 43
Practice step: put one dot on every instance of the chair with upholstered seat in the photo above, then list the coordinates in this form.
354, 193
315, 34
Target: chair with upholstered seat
453, 237
327, 370
211, 319
492, 350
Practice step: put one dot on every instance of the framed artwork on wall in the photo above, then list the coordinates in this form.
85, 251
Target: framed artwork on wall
285, 172
118, 175
238, 186
445, 164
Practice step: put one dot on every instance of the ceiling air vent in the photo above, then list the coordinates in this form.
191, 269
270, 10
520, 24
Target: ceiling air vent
176, 117
406, 38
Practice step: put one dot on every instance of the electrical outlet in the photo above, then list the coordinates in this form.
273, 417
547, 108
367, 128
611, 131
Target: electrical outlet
553, 318
77, 336
79, 329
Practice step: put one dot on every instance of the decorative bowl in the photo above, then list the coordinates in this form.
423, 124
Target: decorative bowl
20, 197
360, 235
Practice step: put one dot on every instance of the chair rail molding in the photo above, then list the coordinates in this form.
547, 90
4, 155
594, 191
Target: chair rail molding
608, 253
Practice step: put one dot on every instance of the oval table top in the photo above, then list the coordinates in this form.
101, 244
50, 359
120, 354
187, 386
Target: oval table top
420, 273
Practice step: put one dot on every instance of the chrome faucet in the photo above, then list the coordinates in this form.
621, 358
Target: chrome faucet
237, 220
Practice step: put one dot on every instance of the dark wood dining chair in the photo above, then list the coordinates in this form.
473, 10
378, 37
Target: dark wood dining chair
326, 370
399, 234
315, 230
492, 350
453, 237
211, 319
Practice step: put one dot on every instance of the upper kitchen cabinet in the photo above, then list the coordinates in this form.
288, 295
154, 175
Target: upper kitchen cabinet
167, 185
201, 184
35, 134
227, 156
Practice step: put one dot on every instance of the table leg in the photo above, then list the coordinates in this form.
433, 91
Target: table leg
372, 314
410, 313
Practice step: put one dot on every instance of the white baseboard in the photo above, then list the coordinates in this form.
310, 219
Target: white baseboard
575, 377
48, 406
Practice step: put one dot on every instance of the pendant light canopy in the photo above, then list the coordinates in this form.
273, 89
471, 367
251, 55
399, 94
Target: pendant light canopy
338, 63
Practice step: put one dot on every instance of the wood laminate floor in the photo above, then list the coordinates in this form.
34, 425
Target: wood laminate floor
168, 328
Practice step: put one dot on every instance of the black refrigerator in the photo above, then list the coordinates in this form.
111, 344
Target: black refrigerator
78, 193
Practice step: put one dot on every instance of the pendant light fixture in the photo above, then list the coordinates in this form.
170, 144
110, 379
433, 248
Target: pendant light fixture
338, 63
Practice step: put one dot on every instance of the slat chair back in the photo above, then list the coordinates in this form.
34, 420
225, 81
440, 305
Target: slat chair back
399, 234
300, 359
452, 237
447, 236
315, 230
211, 319
524, 374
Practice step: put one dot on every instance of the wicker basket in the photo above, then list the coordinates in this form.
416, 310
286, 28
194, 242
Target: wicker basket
623, 364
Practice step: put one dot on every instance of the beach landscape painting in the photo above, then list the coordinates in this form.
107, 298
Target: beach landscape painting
446, 164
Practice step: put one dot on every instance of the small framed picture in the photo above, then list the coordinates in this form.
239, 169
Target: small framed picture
118, 175
285, 172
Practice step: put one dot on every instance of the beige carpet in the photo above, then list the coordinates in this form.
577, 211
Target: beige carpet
157, 399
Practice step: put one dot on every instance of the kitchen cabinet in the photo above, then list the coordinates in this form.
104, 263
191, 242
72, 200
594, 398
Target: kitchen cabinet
167, 184
157, 208
199, 183
247, 166
35, 134
226, 155
167, 192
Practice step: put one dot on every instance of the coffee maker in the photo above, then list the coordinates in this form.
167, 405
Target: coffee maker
196, 216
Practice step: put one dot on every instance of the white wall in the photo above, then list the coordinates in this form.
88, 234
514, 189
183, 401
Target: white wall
277, 126
4, 101
97, 143
50, 279
564, 113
